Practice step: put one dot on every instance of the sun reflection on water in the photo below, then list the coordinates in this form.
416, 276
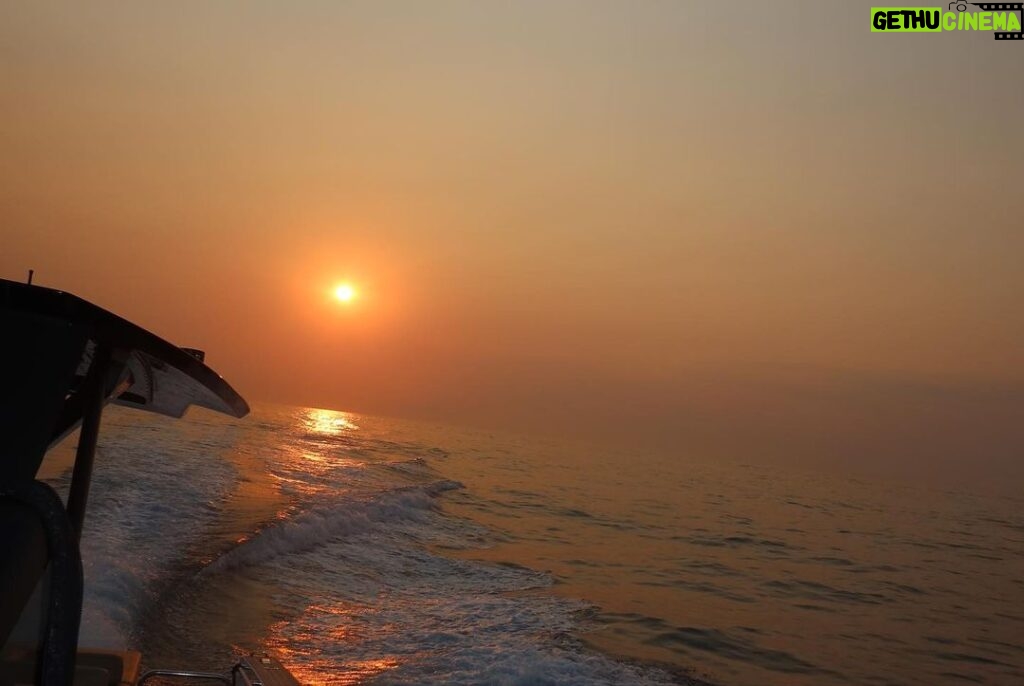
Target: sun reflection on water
329, 422
319, 646
324, 447
301, 645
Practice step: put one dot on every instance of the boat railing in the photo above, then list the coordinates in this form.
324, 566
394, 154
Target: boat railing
248, 671
186, 674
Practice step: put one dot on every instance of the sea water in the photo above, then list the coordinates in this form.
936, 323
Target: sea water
367, 550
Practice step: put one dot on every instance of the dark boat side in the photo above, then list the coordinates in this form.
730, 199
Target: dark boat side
62, 360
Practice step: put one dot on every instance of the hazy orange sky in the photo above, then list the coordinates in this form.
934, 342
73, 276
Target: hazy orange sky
742, 229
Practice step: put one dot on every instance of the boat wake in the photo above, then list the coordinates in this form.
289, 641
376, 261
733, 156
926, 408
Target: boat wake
401, 511
333, 552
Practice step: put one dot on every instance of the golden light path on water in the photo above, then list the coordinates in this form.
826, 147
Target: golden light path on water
329, 422
307, 664
317, 457
286, 638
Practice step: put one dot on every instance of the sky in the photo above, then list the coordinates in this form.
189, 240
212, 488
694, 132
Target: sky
742, 230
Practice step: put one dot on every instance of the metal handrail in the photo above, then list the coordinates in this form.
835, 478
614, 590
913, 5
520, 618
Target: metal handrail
185, 674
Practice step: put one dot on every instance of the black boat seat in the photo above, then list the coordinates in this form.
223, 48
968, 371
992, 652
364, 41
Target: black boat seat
41, 578
23, 540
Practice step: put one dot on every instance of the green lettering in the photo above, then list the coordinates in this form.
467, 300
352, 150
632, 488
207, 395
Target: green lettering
984, 21
1012, 23
970, 21
906, 18
949, 21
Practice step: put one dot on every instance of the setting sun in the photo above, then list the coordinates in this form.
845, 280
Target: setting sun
345, 293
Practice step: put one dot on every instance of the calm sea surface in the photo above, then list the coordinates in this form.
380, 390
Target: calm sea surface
367, 550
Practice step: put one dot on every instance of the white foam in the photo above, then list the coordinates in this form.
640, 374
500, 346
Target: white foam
324, 524
151, 498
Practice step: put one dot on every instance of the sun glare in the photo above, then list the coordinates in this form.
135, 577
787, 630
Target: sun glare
345, 293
